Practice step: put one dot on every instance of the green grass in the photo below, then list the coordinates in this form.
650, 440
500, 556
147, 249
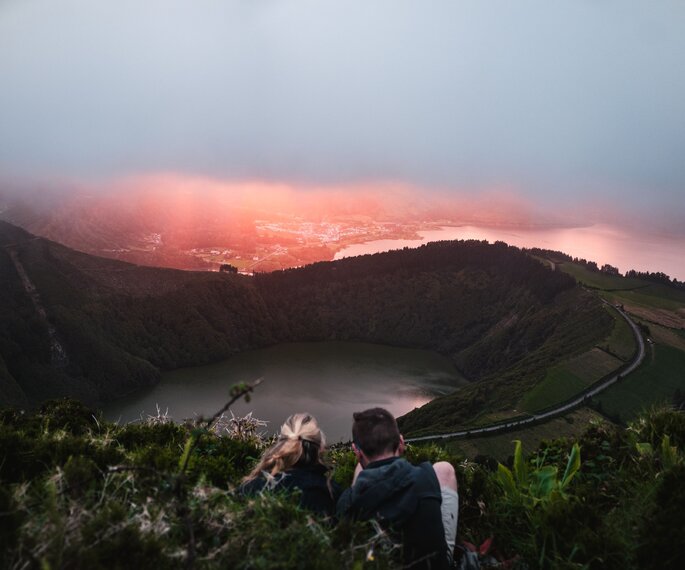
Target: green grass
626, 289
653, 382
621, 342
600, 280
494, 417
650, 297
568, 378
500, 446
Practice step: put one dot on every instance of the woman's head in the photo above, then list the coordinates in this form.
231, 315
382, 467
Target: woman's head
300, 442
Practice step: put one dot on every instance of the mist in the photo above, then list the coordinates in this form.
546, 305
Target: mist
573, 107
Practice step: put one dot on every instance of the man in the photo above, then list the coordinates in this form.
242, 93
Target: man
419, 503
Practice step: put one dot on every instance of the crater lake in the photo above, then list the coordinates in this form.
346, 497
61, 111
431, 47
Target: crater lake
330, 380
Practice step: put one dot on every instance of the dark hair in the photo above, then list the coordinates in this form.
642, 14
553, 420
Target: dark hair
375, 432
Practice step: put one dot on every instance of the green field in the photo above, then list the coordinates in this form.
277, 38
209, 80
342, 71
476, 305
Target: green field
567, 379
626, 289
495, 417
655, 381
621, 343
599, 280
500, 446
649, 297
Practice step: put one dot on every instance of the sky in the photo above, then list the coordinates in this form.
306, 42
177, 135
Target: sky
574, 106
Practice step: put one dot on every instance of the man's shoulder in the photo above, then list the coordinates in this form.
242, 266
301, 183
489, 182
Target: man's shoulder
390, 489
426, 480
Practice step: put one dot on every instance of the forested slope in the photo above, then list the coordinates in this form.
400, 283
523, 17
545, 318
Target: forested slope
499, 314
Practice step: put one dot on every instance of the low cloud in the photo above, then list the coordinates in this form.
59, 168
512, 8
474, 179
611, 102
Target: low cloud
574, 110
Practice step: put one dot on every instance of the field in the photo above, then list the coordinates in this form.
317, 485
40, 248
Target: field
630, 291
494, 417
621, 343
665, 335
598, 280
568, 378
660, 310
500, 446
656, 381
648, 298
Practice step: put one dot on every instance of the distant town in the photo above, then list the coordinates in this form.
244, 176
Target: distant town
279, 245
261, 245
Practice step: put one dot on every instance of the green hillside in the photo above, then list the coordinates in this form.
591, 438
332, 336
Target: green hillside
660, 380
660, 310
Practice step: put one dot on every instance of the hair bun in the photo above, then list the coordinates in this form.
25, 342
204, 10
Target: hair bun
290, 436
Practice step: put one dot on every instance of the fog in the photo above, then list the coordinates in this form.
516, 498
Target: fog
576, 105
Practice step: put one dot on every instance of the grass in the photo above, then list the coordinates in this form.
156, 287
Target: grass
649, 297
569, 378
655, 381
500, 446
599, 280
80, 493
668, 336
494, 417
628, 289
621, 342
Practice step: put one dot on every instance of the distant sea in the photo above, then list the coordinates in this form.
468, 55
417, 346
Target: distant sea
600, 243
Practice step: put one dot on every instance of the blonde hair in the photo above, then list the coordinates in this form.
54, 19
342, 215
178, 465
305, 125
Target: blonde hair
300, 439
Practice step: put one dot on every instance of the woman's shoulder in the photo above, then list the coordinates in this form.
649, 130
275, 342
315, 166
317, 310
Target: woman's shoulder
254, 486
319, 492
314, 475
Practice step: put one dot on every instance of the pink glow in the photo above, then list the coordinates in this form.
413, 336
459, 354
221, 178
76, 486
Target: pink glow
603, 232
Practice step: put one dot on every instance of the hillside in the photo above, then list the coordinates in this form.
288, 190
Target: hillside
500, 315
79, 492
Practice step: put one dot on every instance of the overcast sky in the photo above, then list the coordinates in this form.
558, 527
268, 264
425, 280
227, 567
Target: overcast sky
564, 103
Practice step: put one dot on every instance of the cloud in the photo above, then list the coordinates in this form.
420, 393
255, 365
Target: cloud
563, 101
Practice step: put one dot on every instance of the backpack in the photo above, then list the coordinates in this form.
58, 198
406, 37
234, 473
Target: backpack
465, 559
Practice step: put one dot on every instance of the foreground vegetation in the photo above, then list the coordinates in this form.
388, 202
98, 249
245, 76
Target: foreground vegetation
76, 492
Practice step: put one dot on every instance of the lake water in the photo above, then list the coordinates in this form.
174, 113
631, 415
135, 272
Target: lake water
600, 243
330, 380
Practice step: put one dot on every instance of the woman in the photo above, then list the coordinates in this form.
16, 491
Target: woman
295, 462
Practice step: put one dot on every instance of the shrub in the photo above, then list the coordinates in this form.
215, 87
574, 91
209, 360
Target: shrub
223, 461
136, 436
68, 415
651, 426
10, 522
271, 531
64, 506
661, 542
81, 474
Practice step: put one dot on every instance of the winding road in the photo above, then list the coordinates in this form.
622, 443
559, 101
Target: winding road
561, 408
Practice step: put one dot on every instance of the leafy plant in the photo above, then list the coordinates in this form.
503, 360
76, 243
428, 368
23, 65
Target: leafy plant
532, 495
539, 484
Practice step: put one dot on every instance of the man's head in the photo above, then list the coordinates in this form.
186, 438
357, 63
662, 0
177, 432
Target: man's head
376, 435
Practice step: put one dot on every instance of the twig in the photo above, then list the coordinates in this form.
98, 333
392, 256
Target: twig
237, 392
242, 390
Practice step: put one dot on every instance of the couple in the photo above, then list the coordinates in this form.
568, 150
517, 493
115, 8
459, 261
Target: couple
420, 503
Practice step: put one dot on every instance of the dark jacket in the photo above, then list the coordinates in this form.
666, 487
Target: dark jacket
406, 500
311, 480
